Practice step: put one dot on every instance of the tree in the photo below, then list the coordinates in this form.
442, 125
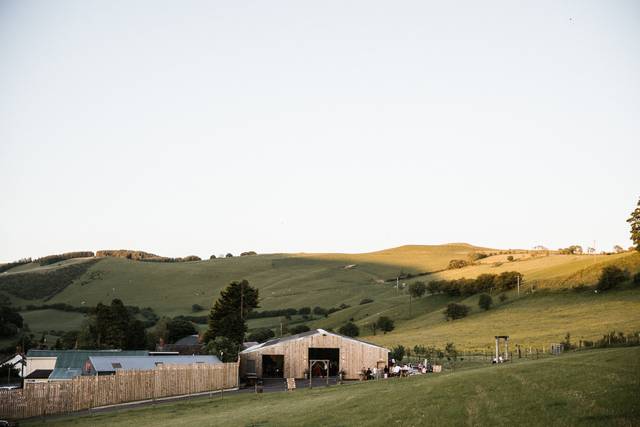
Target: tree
385, 324
320, 311
349, 329
450, 351
457, 263
397, 353
507, 280
456, 311
10, 320
417, 289
229, 255
485, 301
196, 308
636, 278
223, 347
228, 315
305, 311
634, 222
212, 257
610, 277
179, 328
571, 250
298, 329
261, 335
510, 258
618, 249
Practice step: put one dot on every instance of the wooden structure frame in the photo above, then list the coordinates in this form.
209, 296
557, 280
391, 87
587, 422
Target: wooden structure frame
354, 354
506, 346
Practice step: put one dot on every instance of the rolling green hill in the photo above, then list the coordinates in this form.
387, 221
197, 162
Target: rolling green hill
557, 306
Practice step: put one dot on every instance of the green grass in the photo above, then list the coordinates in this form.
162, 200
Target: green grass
46, 320
598, 387
532, 320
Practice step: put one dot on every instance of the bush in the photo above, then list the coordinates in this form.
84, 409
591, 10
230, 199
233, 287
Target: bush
417, 289
385, 324
52, 259
349, 329
179, 328
196, 308
248, 253
485, 301
364, 301
212, 257
456, 311
320, 311
261, 335
636, 278
510, 258
457, 263
503, 297
610, 277
10, 265
298, 329
397, 353
305, 311
229, 255
476, 256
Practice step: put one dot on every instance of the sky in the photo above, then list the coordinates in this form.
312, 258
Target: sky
207, 127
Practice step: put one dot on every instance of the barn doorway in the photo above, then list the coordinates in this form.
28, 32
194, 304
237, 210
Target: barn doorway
272, 366
330, 354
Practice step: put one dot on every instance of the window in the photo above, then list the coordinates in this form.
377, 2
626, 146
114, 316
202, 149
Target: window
116, 365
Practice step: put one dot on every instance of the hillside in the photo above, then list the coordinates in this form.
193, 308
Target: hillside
598, 387
329, 280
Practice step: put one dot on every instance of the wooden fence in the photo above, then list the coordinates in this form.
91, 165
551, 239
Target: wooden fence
86, 392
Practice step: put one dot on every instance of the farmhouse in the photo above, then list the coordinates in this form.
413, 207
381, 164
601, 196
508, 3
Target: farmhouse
314, 352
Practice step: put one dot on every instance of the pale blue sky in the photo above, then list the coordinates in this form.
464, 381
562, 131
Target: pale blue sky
206, 127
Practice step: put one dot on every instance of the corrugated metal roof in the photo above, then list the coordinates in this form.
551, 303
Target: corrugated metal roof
69, 363
115, 363
303, 335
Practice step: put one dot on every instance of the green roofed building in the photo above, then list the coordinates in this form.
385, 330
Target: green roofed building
66, 364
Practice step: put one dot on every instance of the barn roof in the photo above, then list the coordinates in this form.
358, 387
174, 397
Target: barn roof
304, 335
116, 363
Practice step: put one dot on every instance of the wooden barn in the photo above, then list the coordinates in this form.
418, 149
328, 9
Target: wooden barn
316, 351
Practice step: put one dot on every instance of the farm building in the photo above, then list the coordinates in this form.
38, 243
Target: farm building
108, 365
63, 365
296, 355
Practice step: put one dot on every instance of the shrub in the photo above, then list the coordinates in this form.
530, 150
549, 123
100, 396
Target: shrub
248, 253
305, 311
417, 289
229, 255
196, 308
397, 353
610, 277
476, 256
212, 257
349, 329
261, 335
636, 278
298, 329
10, 265
456, 311
385, 324
179, 328
450, 351
510, 258
503, 297
365, 301
320, 311
457, 263
52, 259
485, 301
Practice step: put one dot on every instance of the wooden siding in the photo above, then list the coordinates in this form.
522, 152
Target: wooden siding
85, 392
354, 355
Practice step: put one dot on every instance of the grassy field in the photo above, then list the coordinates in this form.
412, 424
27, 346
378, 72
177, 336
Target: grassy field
597, 387
297, 280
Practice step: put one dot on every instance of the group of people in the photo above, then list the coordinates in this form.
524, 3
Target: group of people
396, 370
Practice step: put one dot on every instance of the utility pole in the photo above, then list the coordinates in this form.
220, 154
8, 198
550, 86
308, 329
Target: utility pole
241, 299
518, 285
